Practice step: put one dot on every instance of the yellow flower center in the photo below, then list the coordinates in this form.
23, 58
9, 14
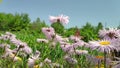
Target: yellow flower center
104, 43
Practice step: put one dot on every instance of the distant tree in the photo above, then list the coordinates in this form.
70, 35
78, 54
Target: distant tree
118, 27
14, 22
99, 26
70, 31
37, 25
88, 32
38, 20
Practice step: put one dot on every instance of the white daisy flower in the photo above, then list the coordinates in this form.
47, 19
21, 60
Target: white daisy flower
102, 45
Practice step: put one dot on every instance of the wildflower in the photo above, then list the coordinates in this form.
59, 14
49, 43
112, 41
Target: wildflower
27, 50
74, 38
49, 32
16, 42
62, 19
52, 44
102, 45
56, 65
10, 35
67, 47
47, 60
70, 60
63, 43
31, 62
33, 59
4, 45
58, 38
65, 39
8, 52
80, 43
97, 60
4, 37
110, 34
80, 52
7, 36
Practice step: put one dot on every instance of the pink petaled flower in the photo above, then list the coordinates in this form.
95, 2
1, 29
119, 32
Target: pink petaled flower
67, 47
16, 41
4, 46
63, 43
110, 34
33, 59
116, 43
49, 32
10, 35
27, 50
70, 60
74, 38
62, 19
95, 59
103, 46
47, 60
80, 43
58, 38
24, 47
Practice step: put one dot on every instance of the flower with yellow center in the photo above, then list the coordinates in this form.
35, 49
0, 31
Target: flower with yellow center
102, 45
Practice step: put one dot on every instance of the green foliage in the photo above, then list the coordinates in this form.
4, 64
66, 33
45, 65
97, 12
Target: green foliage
99, 26
88, 32
70, 31
59, 28
10, 22
37, 25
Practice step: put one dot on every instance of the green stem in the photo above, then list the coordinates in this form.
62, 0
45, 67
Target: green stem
105, 59
98, 63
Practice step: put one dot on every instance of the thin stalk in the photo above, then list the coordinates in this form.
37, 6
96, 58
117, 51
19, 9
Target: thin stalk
16, 52
98, 63
105, 59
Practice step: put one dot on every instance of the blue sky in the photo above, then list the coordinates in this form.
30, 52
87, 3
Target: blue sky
79, 11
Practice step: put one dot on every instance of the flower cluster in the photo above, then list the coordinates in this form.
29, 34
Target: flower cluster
20, 46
